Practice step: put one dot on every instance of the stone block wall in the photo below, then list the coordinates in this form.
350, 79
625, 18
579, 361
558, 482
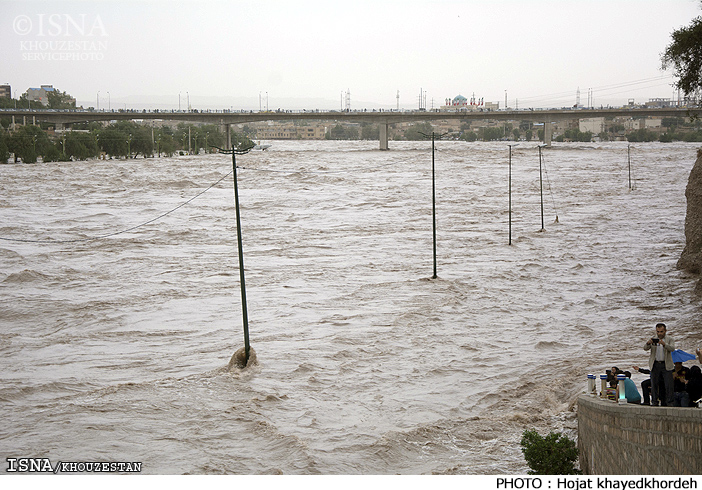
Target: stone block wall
638, 440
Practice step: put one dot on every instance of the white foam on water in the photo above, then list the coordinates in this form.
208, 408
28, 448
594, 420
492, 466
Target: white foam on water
117, 349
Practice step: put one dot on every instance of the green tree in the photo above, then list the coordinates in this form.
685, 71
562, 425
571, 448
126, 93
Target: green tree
554, 454
141, 142
60, 100
684, 54
370, 131
491, 134
468, 136
418, 131
53, 154
577, 135
4, 151
340, 132
209, 135
80, 146
240, 140
28, 142
113, 141
248, 131
641, 135
692, 136
136, 138
616, 128
672, 122
164, 141
24, 103
667, 137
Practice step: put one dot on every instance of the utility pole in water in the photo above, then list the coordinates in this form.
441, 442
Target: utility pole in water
510, 192
541, 189
433, 137
242, 282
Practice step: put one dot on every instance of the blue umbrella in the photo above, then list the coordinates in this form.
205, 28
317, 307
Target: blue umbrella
681, 356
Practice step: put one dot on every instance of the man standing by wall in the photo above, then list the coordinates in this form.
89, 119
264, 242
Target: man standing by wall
661, 363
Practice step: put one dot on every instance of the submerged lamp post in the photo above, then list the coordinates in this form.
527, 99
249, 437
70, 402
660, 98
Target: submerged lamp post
628, 156
235, 152
433, 137
510, 192
541, 187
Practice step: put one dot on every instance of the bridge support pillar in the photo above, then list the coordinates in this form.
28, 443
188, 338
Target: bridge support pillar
548, 133
383, 135
228, 133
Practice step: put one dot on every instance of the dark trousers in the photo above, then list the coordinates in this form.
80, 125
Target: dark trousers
646, 392
660, 373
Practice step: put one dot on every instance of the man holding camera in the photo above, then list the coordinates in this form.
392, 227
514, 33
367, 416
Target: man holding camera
661, 363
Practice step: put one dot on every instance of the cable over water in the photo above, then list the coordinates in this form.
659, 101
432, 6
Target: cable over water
163, 215
107, 235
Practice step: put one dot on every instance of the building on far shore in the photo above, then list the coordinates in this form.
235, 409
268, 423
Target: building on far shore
595, 125
273, 131
6, 91
42, 95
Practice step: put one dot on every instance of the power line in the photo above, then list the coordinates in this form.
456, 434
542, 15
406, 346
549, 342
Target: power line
602, 89
107, 235
163, 215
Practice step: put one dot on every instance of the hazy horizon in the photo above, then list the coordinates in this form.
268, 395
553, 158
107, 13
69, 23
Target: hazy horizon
308, 54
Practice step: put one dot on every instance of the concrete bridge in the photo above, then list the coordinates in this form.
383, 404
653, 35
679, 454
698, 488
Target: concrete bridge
64, 118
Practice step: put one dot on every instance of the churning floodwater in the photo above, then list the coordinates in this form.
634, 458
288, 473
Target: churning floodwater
116, 349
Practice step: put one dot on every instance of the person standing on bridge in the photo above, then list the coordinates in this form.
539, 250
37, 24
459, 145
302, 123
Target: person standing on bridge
661, 363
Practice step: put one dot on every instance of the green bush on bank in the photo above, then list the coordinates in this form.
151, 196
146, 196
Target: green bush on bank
554, 454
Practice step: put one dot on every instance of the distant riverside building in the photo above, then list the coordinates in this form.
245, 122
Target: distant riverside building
6, 91
643, 123
595, 125
291, 132
40, 94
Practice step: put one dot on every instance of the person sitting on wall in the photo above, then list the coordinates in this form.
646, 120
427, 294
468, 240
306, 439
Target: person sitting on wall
646, 387
693, 385
612, 376
681, 397
630, 392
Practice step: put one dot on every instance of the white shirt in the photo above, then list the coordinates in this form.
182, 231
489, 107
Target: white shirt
660, 352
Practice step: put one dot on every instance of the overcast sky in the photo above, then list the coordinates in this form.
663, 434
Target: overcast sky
307, 53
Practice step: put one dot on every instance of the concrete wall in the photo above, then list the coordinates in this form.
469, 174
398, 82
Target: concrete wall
637, 439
